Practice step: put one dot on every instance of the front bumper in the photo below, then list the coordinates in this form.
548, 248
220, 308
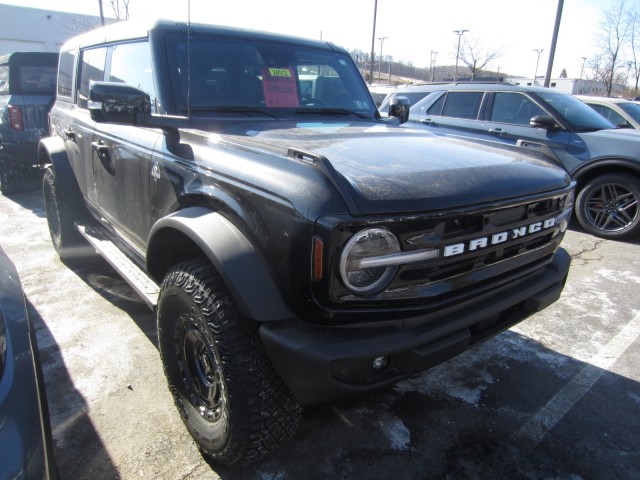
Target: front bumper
322, 364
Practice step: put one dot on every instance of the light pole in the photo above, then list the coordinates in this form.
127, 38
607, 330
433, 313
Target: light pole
626, 80
434, 54
584, 59
539, 51
382, 39
459, 33
373, 42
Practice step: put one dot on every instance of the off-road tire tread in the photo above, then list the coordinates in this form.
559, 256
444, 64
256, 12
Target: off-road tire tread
59, 209
263, 413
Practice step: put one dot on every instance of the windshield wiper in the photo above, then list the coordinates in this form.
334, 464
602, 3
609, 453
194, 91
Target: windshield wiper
332, 111
230, 109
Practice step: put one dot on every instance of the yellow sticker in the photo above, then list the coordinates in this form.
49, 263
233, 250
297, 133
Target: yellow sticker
280, 72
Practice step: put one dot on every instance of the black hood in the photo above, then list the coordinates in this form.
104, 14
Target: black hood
389, 169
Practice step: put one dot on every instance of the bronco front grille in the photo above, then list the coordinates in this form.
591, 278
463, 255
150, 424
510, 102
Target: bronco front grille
474, 247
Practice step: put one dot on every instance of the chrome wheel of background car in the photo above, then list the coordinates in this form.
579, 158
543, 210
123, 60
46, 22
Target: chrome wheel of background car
607, 206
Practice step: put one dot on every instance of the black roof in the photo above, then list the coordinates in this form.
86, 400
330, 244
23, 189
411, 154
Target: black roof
133, 29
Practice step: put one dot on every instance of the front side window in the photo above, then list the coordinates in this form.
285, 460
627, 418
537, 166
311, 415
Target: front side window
213, 74
131, 64
609, 114
4, 78
578, 114
91, 69
413, 97
514, 108
632, 109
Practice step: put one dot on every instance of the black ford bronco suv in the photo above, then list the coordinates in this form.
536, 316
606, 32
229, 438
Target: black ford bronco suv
296, 247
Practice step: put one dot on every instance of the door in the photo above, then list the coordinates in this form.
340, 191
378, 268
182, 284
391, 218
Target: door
507, 120
78, 131
454, 114
122, 154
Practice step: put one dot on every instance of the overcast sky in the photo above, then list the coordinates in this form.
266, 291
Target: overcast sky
413, 28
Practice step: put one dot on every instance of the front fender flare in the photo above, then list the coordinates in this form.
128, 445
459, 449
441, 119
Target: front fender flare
231, 253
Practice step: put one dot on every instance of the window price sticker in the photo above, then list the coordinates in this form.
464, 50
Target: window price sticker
280, 89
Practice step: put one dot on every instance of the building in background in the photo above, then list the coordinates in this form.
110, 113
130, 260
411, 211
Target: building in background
572, 86
25, 29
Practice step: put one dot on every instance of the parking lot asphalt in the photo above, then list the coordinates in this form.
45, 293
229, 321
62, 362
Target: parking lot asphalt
555, 397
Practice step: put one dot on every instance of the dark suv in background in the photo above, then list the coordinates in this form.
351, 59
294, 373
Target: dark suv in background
27, 89
604, 159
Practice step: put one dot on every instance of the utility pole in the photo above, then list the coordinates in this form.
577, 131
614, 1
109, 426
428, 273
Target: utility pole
434, 54
535, 75
373, 42
554, 41
459, 33
382, 39
101, 13
584, 59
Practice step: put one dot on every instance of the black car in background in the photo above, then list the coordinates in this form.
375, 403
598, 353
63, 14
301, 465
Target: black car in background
27, 89
26, 447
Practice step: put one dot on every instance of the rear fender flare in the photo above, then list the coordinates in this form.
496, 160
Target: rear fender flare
241, 267
51, 152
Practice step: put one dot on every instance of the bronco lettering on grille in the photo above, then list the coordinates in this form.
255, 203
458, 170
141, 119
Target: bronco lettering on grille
497, 238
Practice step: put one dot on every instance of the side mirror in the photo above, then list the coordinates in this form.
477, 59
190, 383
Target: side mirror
117, 102
543, 121
399, 108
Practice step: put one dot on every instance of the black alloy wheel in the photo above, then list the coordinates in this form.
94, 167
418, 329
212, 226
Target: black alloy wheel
607, 206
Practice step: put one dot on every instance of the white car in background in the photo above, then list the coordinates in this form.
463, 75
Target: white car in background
622, 113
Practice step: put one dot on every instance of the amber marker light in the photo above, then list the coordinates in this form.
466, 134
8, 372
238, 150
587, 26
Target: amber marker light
318, 253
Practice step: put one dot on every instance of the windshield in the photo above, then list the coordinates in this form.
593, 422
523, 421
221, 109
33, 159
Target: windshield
232, 75
579, 115
633, 109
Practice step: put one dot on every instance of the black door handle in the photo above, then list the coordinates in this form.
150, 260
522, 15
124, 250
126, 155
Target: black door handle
100, 148
69, 134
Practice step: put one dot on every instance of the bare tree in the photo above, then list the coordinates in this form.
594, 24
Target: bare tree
476, 57
633, 17
120, 8
613, 34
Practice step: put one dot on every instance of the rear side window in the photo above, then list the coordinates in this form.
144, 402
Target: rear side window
65, 74
37, 79
91, 69
462, 105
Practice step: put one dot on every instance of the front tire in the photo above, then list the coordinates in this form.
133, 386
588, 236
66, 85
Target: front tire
607, 206
231, 400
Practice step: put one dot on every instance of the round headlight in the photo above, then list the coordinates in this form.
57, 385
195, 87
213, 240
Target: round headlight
368, 245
